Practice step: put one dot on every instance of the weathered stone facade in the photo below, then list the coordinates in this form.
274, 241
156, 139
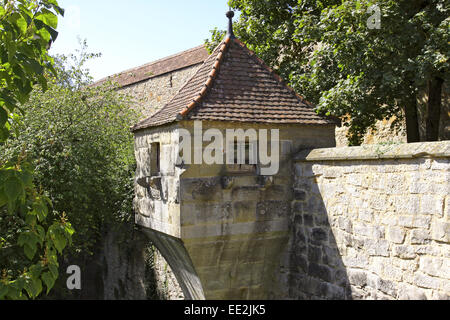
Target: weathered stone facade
342, 223
149, 96
385, 133
152, 94
222, 228
371, 222
351, 223
167, 286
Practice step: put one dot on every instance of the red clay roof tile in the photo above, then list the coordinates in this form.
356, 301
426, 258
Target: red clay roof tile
234, 85
178, 61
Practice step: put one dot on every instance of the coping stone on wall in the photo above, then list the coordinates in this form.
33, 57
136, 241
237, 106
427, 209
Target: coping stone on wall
438, 149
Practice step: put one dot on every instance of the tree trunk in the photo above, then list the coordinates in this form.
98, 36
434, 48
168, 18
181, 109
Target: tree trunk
412, 120
433, 113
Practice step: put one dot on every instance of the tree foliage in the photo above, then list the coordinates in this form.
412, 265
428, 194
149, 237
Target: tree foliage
78, 141
329, 52
27, 28
32, 234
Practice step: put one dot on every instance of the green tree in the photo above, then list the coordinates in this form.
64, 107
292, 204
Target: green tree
32, 234
78, 141
330, 53
27, 29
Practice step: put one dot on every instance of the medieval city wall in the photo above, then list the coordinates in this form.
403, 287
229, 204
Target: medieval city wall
152, 94
371, 222
384, 131
397, 254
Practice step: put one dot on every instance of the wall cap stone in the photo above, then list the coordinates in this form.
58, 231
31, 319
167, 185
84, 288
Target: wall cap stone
438, 149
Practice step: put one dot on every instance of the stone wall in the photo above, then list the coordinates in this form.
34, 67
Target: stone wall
308, 257
149, 96
235, 222
225, 223
383, 131
167, 286
371, 222
152, 94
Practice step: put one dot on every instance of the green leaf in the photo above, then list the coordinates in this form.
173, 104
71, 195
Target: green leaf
33, 286
3, 116
60, 242
3, 198
28, 286
43, 82
21, 23
69, 229
54, 270
41, 234
23, 238
4, 134
3, 290
35, 270
37, 285
49, 280
53, 33
13, 188
30, 250
48, 17
33, 67
27, 178
41, 210
30, 219
51, 256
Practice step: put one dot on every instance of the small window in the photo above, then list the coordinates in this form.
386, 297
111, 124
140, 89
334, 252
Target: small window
245, 163
155, 158
249, 156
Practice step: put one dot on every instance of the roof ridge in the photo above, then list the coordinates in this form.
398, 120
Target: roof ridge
138, 125
245, 68
253, 55
212, 75
175, 55
282, 82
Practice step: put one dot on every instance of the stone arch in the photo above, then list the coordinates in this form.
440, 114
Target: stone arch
174, 252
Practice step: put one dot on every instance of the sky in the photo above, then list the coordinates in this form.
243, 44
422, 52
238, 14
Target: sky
134, 32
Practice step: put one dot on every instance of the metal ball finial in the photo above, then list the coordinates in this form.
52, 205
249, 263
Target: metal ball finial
230, 15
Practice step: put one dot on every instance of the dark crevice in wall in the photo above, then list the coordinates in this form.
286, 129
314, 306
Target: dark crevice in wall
315, 264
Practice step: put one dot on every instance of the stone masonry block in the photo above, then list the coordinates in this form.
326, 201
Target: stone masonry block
441, 231
437, 267
357, 277
431, 204
420, 236
424, 281
396, 234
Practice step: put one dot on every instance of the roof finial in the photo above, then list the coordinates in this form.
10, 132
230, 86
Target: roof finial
230, 15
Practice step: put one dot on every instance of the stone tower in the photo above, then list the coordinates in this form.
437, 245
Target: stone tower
223, 225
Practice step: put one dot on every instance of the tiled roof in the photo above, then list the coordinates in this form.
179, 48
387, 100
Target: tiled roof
180, 60
234, 85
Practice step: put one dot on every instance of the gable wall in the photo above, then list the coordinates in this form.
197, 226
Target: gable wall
152, 94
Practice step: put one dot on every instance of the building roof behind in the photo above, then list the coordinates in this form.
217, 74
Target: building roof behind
235, 85
178, 61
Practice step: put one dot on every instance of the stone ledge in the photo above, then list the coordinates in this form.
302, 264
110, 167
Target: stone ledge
438, 149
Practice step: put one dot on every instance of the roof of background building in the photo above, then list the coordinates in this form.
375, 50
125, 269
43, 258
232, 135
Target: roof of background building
177, 61
235, 85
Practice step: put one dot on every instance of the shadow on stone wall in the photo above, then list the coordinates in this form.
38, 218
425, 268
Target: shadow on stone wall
316, 267
121, 268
